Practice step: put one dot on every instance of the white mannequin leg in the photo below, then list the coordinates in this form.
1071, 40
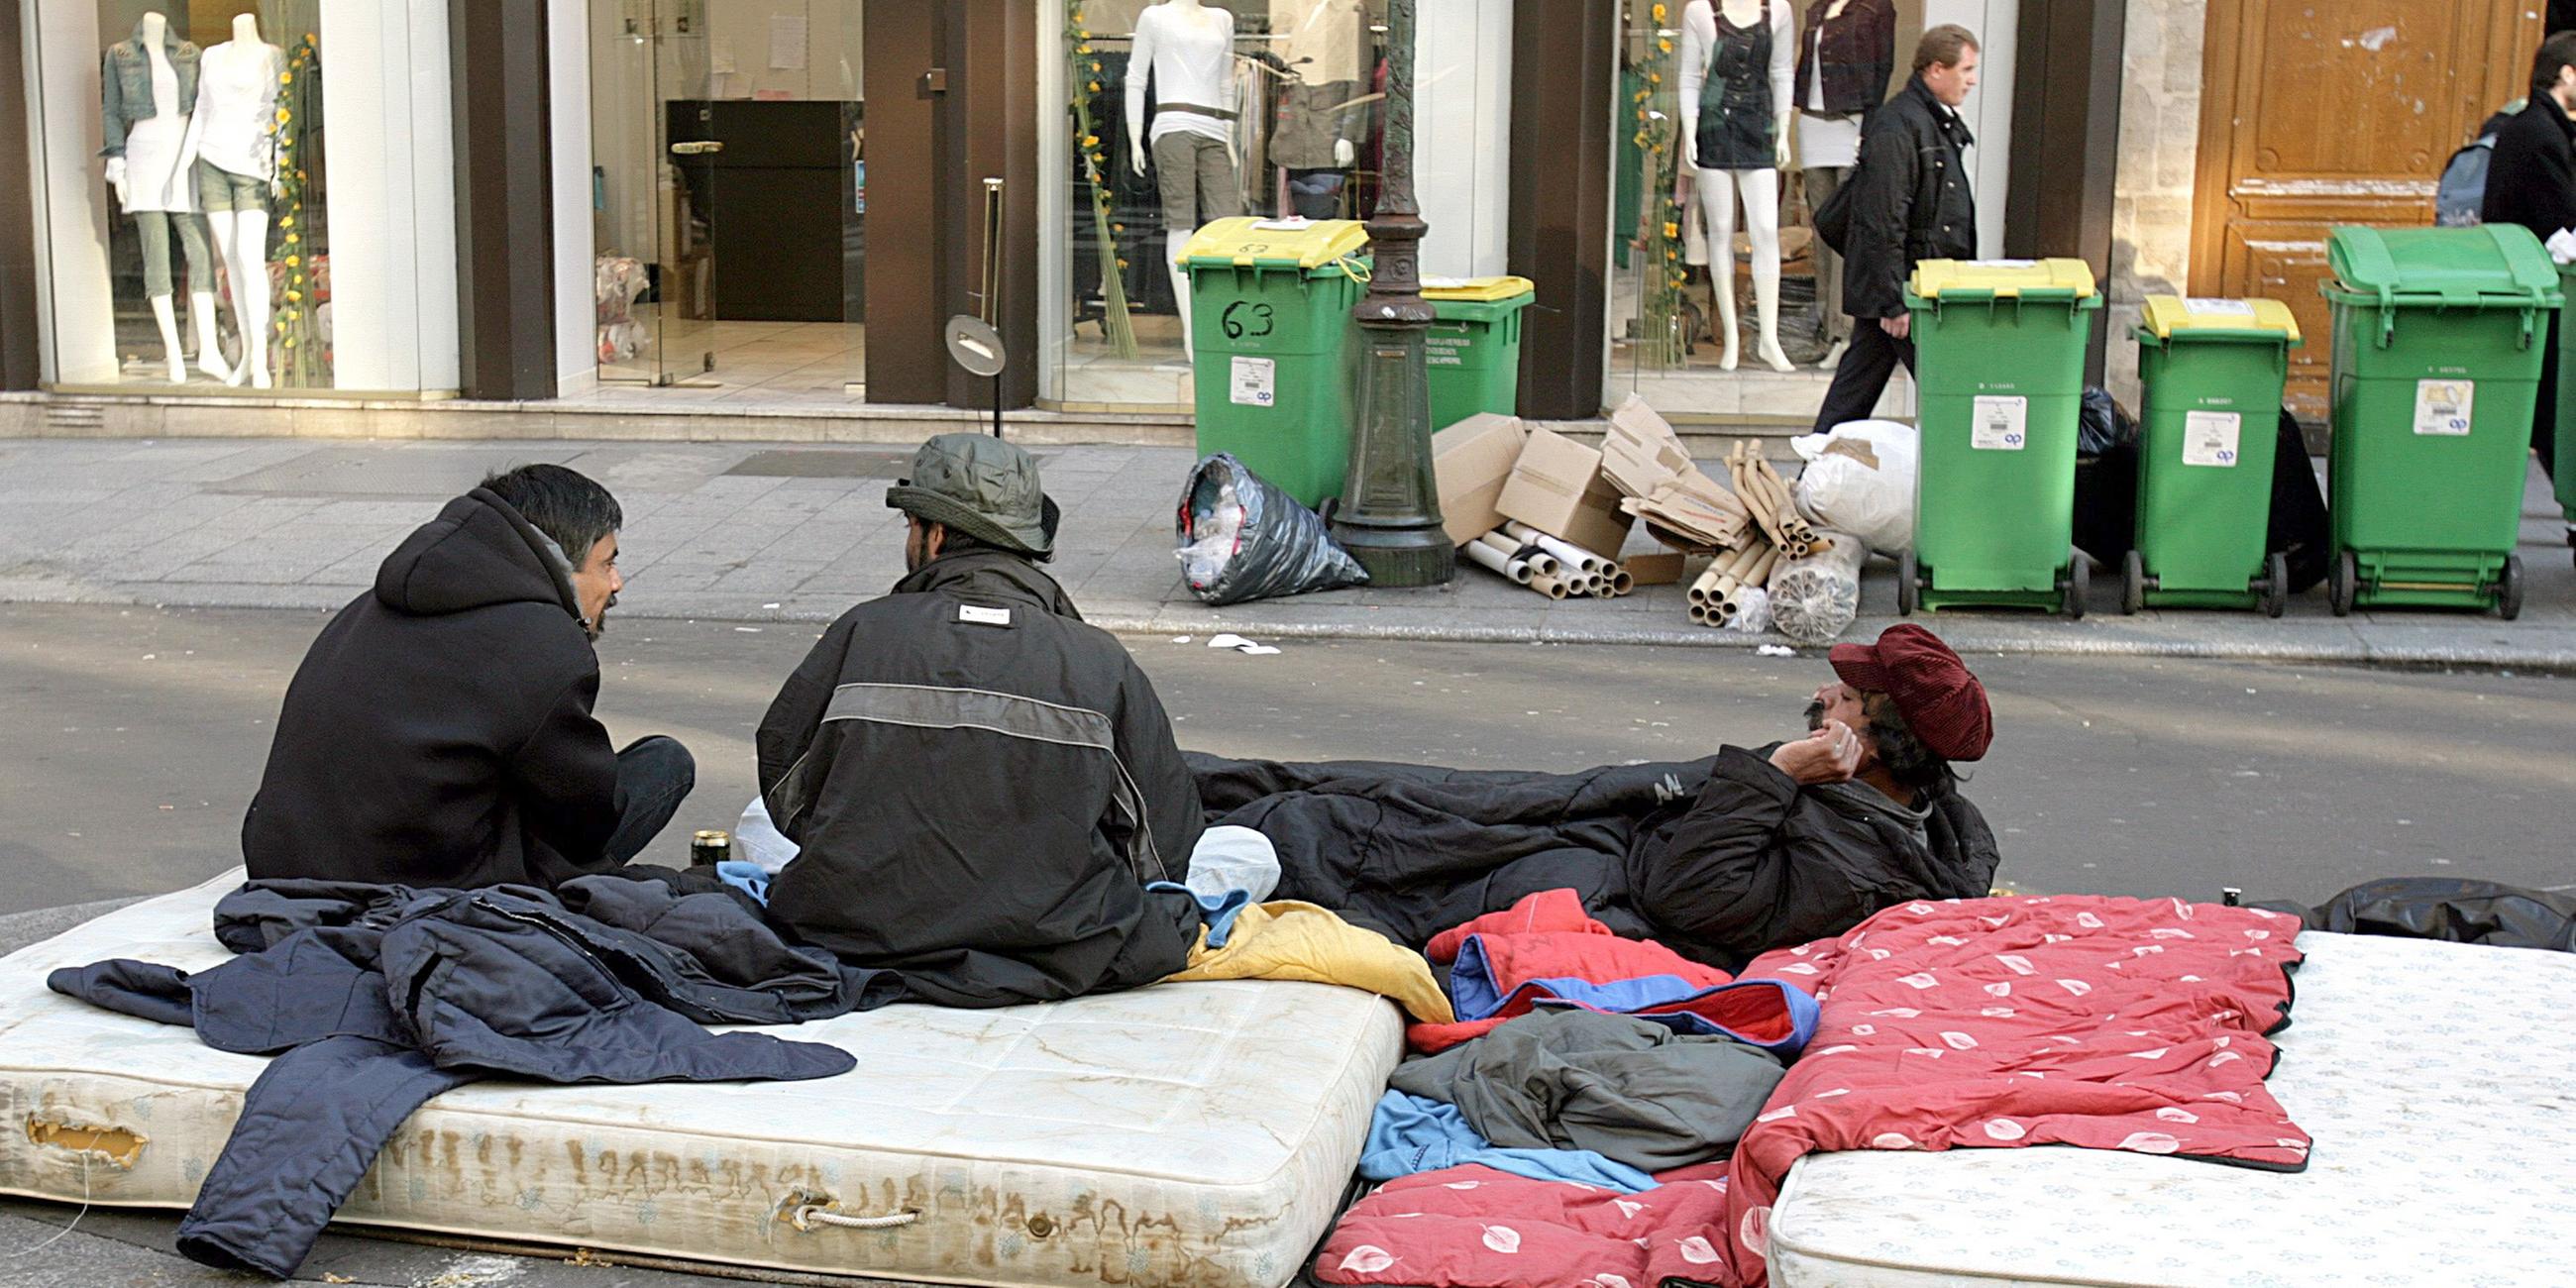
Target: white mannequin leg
1762, 220
210, 345
245, 250
1717, 208
165, 313
221, 224
1180, 237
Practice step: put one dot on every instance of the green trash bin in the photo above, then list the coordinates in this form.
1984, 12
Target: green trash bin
2564, 475
1999, 366
2212, 371
1274, 347
1474, 348
2438, 336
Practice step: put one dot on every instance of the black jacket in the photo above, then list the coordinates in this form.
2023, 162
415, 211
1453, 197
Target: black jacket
2531, 179
1722, 859
1910, 200
1859, 55
439, 731
376, 998
982, 786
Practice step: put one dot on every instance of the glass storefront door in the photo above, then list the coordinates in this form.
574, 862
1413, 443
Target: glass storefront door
729, 186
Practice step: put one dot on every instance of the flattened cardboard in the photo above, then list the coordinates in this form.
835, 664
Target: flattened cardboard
1471, 461
1663, 568
1640, 450
1645, 459
1557, 487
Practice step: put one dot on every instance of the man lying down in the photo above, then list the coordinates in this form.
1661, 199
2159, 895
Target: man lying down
1721, 859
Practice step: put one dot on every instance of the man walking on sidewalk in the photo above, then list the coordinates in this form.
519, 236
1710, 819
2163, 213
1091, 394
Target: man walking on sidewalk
982, 786
1908, 201
439, 731
2531, 181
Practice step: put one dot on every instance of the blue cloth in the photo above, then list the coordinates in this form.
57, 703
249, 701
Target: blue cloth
1217, 911
746, 876
1410, 1134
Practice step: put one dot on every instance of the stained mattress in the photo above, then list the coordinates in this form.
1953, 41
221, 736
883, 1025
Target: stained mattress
2434, 1077
1186, 1134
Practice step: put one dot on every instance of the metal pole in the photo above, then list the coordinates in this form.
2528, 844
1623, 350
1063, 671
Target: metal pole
1389, 517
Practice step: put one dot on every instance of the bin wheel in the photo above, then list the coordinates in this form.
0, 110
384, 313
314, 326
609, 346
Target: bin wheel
2276, 585
2509, 590
2078, 580
2133, 583
2340, 583
1907, 587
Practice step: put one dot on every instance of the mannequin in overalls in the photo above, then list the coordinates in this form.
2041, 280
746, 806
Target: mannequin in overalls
1739, 62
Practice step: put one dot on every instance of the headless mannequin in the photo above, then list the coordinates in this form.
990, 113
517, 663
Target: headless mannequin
1163, 59
241, 233
1322, 41
1829, 144
1759, 187
156, 197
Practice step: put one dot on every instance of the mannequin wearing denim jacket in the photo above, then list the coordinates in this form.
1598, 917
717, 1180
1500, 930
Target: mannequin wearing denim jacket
146, 87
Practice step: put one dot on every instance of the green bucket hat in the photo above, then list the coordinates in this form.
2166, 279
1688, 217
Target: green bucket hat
983, 487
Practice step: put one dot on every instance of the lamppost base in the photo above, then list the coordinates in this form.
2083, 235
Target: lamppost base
1400, 558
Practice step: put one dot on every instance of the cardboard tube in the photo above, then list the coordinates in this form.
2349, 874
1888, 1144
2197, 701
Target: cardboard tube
1621, 583
1567, 553
1489, 557
1548, 586
1499, 542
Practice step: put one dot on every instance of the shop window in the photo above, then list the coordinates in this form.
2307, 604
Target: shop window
729, 190
237, 197
1725, 305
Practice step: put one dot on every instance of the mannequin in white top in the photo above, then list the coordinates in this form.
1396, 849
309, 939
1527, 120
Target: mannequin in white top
1187, 50
1746, 24
231, 156
152, 185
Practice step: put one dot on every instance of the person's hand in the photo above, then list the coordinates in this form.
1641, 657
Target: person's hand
1136, 155
1901, 326
1829, 755
1780, 151
116, 177
1344, 153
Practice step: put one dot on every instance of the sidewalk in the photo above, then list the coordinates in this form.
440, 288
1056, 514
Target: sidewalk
744, 532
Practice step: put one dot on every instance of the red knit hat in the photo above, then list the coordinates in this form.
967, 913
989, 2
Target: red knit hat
1941, 702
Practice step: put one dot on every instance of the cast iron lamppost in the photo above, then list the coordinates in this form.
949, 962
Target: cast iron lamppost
1389, 518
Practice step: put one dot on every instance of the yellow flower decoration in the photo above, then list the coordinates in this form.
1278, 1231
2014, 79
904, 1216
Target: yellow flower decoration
284, 79
1091, 140
1664, 45
1654, 78
1659, 13
1095, 87
290, 342
1672, 229
1095, 65
293, 260
295, 297
283, 116
295, 239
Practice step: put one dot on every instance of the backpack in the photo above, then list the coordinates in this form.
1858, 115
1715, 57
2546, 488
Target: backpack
2460, 197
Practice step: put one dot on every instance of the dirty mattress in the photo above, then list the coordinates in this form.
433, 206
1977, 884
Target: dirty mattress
1183, 1134
2433, 1077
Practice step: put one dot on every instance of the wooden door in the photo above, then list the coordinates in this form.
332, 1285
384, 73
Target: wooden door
2317, 114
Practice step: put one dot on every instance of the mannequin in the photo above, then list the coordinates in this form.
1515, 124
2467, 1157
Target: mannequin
1738, 60
1318, 129
148, 85
1845, 59
1186, 49
231, 158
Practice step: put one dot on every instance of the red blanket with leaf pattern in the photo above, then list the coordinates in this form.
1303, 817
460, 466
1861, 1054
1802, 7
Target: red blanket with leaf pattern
2000, 1023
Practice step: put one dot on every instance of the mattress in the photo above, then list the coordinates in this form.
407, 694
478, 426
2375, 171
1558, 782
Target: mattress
2433, 1076
1185, 1134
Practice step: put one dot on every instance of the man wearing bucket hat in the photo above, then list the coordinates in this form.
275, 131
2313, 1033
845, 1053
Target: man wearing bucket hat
1805, 839
982, 786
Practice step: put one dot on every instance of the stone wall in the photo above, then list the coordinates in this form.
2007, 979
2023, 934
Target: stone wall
2159, 155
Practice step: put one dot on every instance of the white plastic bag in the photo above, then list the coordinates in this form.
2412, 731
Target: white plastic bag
1233, 858
1752, 611
1813, 600
758, 840
1859, 479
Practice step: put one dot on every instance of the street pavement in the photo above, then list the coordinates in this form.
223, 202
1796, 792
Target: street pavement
742, 532
140, 733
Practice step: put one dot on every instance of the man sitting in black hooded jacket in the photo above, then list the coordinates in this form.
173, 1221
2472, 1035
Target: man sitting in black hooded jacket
982, 786
439, 732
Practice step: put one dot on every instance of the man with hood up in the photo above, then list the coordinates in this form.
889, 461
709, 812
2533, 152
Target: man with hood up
982, 786
439, 732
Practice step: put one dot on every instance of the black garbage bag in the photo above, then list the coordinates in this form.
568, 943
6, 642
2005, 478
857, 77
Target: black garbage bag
2454, 909
2104, 426
2299, 528
1241, 538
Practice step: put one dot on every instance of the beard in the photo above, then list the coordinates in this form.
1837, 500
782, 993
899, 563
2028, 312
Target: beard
598, 626
1815, 716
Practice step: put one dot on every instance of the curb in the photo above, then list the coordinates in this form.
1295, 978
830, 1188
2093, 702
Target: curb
23, 929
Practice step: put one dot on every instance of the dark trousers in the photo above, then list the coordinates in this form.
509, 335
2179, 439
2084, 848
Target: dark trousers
1862, 378
653, 776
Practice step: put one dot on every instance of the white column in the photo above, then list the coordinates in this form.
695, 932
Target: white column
568, 93
72, 290
1988, 111
1057, 211
392, 197
433, 213
1462, 134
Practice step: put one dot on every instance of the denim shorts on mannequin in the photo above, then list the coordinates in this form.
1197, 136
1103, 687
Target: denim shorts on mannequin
220, 190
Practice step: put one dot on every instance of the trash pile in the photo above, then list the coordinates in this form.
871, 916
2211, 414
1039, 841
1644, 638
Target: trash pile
1759, 552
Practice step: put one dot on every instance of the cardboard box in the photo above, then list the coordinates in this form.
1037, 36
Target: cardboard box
1557, 487
1663, 568
1471, 460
